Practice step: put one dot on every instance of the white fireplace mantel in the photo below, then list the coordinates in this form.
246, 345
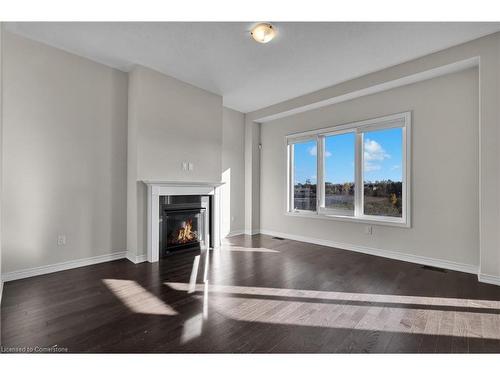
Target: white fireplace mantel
156, 189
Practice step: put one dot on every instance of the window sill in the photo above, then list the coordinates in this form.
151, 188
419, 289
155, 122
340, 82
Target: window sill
375, 220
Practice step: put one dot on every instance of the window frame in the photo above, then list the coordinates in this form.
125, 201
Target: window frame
291, 175
399, 120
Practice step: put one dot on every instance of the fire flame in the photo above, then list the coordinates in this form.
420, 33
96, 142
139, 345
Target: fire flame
186, 233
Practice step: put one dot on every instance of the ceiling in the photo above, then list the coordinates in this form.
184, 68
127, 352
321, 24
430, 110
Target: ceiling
222, 58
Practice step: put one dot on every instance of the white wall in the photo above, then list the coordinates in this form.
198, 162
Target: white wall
64, 147
177, 122
233, 171
1, 153
484, 53
79, 139
445, 192
169, 122
65, 136
252, 176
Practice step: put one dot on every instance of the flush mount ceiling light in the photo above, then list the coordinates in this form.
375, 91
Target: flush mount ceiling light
263, 32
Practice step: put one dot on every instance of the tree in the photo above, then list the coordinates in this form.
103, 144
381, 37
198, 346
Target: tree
394, 199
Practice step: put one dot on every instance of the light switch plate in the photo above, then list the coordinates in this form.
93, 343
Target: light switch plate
61, 240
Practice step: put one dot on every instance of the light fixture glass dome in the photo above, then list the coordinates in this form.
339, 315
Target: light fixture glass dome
263, 32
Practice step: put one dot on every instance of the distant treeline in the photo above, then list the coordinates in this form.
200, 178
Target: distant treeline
373, 189
380, 197
383, 188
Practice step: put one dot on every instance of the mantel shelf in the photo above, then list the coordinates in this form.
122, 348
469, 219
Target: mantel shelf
182, 183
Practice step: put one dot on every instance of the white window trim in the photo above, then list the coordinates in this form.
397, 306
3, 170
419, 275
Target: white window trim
400, 120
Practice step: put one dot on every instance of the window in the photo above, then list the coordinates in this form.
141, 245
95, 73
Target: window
357, 171
339, 172
382, 172
304, 175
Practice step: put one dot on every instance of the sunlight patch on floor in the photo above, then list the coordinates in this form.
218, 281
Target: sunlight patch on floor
361, 297
138, 299
192, 328
401, 320
376, 312
194, 274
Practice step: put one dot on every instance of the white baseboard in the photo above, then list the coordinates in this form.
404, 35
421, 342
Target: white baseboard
29, 272
489, 279
235, 233
137, 258
250, 232
468, 268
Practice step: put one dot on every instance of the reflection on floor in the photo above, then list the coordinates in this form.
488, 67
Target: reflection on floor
255, 294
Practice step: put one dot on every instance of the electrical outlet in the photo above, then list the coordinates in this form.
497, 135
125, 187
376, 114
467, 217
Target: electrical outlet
184, 166
369, 229
190, 166
61, 240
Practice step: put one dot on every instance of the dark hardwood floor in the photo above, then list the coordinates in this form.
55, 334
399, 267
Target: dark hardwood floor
256, 294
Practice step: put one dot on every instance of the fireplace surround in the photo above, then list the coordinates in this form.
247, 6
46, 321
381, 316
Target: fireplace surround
178, 209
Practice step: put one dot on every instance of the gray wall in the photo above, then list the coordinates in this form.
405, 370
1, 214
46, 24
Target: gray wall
1, 153
484, 52
445, 193
252, 176
169, 122
177, 122
64, 147
233, 171
65, 136
68, 123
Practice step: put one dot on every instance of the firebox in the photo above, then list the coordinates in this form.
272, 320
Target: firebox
184, 223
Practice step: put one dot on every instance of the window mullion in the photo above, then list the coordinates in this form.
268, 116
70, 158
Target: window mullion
358, 176
320, 180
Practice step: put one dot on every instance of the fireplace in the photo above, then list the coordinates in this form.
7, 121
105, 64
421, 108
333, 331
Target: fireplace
180, 208
184, 223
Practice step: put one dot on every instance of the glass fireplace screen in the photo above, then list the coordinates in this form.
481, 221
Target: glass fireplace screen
184, 228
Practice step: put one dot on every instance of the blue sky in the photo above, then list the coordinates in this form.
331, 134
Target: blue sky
382, 154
